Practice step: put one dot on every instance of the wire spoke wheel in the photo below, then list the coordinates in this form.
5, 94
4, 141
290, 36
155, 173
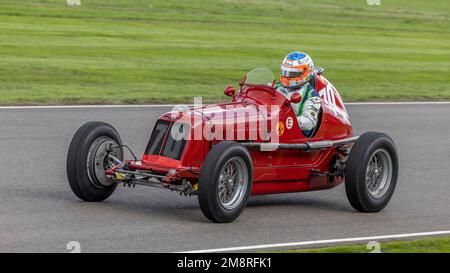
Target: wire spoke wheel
225, 182
379, 173
232, 183
371, 172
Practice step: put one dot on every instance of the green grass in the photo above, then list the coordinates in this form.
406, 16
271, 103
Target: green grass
428, 245
141, 51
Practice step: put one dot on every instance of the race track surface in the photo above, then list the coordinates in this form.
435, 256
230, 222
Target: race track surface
38, 211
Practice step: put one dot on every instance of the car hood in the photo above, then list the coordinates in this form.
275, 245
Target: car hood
237, 115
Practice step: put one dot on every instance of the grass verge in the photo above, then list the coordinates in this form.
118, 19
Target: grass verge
154, 51
426, 245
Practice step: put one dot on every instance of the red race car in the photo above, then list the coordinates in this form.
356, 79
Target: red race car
252, 145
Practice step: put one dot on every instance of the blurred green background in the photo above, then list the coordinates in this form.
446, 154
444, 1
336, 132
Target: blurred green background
152, 51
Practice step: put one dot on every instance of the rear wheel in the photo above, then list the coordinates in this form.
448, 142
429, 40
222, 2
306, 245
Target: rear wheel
225, 182
371, 172
95, 148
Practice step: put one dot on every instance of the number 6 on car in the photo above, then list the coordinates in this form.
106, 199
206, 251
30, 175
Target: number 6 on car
223, 169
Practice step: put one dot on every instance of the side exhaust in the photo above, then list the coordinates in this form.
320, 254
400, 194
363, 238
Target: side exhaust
306, 146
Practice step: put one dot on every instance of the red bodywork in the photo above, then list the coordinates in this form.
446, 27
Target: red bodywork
276, 171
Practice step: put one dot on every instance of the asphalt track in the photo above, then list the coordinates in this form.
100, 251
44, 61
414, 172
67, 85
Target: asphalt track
38, 211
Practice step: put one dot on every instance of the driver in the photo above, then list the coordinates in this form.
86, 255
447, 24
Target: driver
297, 76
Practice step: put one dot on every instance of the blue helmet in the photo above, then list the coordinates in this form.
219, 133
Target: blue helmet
296, 69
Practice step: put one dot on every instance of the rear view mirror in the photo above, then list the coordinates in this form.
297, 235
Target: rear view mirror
229, 91
319, 70
296, 98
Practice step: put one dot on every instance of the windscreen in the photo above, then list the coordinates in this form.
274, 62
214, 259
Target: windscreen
260, 76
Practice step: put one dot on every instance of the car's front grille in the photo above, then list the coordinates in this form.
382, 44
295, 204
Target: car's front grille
157, 137
175, 141
168, 139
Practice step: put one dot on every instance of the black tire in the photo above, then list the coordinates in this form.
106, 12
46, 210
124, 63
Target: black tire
208, 196
80, 167
381, 146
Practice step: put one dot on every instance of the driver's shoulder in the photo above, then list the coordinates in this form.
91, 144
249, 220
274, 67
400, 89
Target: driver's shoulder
283, 90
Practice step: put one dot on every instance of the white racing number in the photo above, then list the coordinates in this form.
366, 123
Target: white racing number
327, 94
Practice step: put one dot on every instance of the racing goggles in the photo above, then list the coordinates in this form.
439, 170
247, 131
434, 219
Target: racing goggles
294, 76
291, 72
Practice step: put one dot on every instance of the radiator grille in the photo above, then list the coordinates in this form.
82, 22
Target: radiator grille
168, 139
176, 139
157, 137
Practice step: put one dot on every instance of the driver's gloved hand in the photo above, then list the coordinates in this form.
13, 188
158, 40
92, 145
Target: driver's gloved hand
310, 113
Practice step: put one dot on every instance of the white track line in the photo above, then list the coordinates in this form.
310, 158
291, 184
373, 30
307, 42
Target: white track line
172, 105
321, 242
87, 106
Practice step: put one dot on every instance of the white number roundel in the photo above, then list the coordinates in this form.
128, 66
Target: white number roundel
289, 122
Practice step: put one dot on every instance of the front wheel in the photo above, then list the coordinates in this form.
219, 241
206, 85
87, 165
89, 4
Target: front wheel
371, 172
225, 182
94, 149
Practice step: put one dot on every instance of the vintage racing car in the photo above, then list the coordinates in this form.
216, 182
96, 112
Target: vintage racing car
223, 153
